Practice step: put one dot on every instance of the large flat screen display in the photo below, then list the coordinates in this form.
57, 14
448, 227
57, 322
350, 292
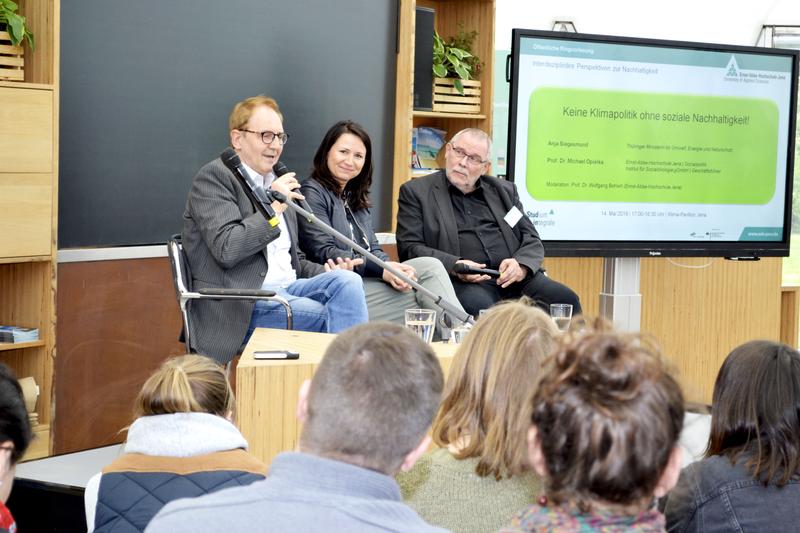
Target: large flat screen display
637, 147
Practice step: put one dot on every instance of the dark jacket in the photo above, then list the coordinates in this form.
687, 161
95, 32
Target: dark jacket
330, 208
426, 224
226, 239
135, 487
714, 495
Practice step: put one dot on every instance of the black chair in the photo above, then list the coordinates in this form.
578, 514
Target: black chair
182, 276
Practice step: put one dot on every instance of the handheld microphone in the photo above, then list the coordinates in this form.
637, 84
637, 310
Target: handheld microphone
280, 169
461, 268
231, 160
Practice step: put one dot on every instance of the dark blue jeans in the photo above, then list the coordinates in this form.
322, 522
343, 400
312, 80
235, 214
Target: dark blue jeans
329, 302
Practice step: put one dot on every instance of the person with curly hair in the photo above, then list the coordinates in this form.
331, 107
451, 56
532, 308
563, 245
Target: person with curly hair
604, 433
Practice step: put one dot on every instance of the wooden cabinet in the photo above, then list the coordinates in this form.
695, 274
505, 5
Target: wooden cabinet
473, 15
28, 209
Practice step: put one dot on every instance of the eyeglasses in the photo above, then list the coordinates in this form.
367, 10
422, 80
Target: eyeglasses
471, 158
268, 136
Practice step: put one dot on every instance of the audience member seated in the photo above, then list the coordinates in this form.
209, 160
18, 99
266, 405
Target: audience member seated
605, 425
15, 436
364, 417
182, 444
338, 193
750, 477
480, 475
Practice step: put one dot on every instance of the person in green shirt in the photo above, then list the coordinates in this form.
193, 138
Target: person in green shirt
479, 476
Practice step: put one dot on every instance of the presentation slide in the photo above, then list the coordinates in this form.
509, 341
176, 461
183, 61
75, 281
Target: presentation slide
647, 143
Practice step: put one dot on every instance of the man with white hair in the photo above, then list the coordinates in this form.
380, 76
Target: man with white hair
462, 216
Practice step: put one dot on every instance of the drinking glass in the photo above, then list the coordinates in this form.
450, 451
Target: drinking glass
421, 322
457, 335
562, 315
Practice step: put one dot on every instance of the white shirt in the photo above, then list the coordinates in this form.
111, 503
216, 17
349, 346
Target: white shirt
280, 273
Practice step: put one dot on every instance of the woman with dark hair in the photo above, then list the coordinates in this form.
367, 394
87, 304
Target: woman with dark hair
15, 436
338, 193
606, 419
750, 477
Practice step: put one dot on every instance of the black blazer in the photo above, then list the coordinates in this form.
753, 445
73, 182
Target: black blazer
426, 224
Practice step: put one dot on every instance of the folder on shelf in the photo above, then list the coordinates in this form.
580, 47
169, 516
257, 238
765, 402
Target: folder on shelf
17, 334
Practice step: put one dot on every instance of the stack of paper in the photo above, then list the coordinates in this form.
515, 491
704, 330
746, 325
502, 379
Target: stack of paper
18, 334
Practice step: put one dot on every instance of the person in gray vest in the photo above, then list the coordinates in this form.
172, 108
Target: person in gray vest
364, 414
183, 443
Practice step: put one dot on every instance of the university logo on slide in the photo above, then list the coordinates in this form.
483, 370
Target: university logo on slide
733, 69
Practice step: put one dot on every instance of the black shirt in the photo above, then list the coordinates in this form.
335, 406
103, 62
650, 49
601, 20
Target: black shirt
479, 235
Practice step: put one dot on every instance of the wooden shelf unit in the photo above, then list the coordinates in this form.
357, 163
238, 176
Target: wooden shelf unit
5, 346
474, 15
28, 209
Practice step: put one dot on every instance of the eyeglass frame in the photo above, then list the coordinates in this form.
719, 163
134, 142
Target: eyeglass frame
471, 158
283, 137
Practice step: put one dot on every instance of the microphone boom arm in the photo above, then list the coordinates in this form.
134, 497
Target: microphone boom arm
446, 306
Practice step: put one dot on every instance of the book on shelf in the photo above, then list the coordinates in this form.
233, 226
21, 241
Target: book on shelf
425, 146
15, 334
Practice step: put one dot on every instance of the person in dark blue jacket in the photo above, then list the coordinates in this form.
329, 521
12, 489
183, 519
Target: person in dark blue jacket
182, 444
750, 477
338, 193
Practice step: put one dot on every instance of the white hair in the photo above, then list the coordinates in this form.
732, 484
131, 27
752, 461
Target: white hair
478, 133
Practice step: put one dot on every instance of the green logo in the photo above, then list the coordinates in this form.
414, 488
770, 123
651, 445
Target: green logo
733, 71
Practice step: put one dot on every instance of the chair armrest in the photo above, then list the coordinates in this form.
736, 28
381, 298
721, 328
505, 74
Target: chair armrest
237, 292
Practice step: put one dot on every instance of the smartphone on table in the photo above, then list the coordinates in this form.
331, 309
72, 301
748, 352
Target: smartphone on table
276, 354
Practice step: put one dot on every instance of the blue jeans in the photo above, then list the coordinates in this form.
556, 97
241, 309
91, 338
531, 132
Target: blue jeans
329, 302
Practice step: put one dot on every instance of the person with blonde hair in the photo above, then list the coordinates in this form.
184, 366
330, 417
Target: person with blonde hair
181, 444
605, 423
479, 476
364, 414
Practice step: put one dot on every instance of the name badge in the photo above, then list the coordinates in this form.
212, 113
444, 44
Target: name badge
513, 216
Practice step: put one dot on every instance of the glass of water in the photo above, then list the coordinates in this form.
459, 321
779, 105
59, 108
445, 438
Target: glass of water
421, 322
562, 315
458, 334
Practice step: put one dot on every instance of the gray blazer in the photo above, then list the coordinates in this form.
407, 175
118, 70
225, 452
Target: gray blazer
426, 224
225, 240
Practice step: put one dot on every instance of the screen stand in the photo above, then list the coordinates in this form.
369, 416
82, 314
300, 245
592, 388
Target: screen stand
620, 300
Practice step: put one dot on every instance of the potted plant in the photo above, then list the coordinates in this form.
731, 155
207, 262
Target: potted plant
454, 67
14, 24
454, 59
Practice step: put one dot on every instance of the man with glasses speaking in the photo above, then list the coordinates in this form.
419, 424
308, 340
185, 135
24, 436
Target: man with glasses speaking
472, 221
230, 244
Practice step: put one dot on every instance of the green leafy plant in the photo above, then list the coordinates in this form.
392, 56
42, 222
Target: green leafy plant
14, 23
454, 58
